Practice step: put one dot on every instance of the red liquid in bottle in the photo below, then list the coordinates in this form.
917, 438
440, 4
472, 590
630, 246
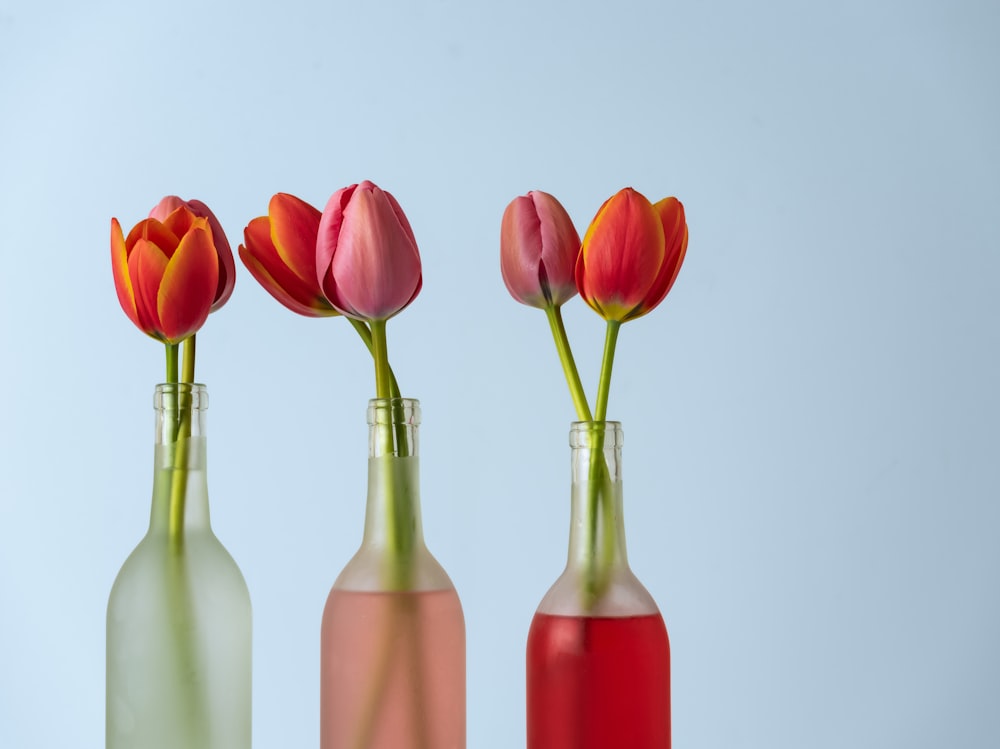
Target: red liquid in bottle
598, 683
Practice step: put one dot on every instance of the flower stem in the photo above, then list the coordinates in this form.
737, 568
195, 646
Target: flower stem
398, 495
366, 336
600, 496
181, 447
188, 351
554, 314
381, 355
604, 384
172, 349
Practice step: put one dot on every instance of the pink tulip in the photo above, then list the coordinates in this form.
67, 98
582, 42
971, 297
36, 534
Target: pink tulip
227, 265
367, 260
280, 252
538, 250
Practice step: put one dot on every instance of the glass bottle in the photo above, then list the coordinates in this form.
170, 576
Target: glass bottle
178, 626
393, 634
598, 657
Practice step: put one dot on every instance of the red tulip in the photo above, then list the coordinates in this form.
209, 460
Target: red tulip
538, 250
631, 255
166, 274
280, 252
367, 260
227, 265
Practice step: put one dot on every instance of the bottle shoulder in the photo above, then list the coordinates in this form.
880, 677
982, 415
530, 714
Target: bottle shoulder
202, 563
375, 569
622, 594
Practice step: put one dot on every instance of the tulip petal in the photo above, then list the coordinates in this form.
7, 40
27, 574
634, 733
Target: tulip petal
521, 252
294, 228
165, 207
147, 264
119, 268
179, 221
189, 284
262, 260
328, 236
671, 214
156, 232
227, 263
560, 247
404, 222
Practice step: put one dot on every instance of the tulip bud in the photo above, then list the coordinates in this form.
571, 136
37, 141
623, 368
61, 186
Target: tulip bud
280, 252
631, 255
367, 260
227, 265
166, 274
538, 250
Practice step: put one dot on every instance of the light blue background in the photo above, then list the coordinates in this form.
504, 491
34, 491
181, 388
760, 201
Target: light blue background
810, 417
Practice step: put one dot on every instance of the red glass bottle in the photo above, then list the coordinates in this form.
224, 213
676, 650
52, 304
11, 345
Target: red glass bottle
598, 656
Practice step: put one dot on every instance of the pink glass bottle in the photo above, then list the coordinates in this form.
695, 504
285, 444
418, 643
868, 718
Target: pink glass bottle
598, 657
393, 635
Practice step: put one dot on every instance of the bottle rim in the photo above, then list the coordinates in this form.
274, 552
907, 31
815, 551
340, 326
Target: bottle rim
586, 433
394, 411
166, 394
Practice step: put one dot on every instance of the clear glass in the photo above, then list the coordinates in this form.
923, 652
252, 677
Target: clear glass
393, 634
179, 620
598, 655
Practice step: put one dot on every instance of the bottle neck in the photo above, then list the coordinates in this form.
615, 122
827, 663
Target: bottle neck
180, 485
597, 527
392, 514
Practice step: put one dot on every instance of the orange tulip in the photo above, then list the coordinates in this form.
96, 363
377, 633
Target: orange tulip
166, 273
227, 265
280, 252
631, 255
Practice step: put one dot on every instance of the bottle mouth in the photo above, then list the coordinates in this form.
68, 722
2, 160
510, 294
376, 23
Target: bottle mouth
603, 434
394, 411
172, 395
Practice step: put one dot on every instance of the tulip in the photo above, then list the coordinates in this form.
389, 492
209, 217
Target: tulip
280, 252
367, 260
538, 250
227, 265
631, 255
166, 274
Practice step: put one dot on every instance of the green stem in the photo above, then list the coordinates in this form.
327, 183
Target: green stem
393, 440
604, 384
600, 499
381, 355
178, 575
554, 314
600, 496
172, 349
366, 336
187, 369
181, 447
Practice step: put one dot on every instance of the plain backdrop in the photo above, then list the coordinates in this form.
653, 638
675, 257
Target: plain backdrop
811, 473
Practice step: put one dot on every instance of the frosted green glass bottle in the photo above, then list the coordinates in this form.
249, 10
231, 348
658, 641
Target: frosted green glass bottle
179, 622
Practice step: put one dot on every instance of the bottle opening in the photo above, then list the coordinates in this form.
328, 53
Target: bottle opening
590, 433
403, 411
173, 395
